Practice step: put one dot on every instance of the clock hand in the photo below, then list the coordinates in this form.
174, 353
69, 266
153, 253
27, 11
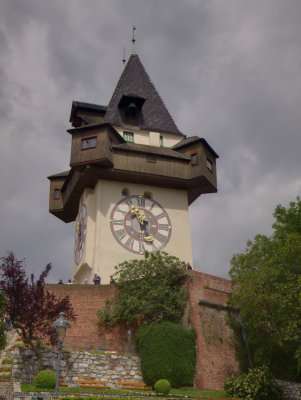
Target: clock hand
142, 221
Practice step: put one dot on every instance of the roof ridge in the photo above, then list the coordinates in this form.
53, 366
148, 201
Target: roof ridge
114, 95
151, 81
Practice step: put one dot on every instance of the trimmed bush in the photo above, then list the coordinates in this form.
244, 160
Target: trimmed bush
258, 384
45, 379
162, 386
167, 351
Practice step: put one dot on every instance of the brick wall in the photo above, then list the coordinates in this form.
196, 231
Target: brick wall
84, 333
215, 356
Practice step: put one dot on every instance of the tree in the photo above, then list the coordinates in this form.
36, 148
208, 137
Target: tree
149, 290
31, 308
2, 323
267, 288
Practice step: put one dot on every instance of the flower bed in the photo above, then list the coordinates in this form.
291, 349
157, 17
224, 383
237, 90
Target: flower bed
5, 369
7, 361
5, 377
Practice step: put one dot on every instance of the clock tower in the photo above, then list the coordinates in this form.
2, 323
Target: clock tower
133, 175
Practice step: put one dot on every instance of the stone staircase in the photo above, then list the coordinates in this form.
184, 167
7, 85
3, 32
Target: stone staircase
7, 387
8, 352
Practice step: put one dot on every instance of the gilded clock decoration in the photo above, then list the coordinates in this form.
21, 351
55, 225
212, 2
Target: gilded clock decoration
139, 224
80, 233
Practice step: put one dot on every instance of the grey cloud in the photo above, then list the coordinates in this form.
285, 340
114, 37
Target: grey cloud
227, 71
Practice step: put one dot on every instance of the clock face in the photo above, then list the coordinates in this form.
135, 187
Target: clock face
140, 224
80, 233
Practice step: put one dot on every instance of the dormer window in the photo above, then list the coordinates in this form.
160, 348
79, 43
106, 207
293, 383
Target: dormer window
88, 143
128, 136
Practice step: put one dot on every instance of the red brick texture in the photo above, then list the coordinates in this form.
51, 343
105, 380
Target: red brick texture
84, 333
215, 356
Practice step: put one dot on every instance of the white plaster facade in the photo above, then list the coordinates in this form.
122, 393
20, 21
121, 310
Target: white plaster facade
151, 138
102, 252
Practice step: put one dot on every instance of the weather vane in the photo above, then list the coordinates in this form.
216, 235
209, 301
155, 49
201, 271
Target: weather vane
133, 40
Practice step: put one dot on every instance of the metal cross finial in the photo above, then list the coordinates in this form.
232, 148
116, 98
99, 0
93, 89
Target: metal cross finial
133, 40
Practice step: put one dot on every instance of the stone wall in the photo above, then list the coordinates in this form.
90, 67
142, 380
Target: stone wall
79, 365
291, 390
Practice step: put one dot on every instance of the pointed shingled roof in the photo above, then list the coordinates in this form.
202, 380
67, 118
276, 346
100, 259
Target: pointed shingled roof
135, 81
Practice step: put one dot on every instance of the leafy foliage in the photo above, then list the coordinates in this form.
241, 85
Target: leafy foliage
2, 324
162, 386
149, 290
267, 288
258, 384
31, 308
45, 379
167, 351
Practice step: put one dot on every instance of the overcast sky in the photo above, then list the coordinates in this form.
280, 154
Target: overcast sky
228, 71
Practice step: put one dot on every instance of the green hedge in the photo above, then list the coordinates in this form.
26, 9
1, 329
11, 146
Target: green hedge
167, 351
93, 398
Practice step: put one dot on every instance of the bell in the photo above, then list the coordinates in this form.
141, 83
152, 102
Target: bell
132, 108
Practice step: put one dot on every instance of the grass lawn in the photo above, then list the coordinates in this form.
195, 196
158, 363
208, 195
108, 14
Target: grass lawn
182, 392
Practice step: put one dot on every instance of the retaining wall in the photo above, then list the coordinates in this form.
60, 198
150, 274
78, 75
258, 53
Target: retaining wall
79, 365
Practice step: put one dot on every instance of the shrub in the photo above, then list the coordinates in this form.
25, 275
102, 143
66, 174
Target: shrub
167, 351
2, 336
45, 379
258, 384
162, 386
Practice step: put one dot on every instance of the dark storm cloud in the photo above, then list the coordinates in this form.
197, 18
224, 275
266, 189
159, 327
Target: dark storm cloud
227, 71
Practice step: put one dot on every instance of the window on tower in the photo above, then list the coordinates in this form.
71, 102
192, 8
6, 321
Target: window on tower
125, 192
128, 136
148, 195
57, 194
209, 165
194, 159
88, 143
161, 140
151, 158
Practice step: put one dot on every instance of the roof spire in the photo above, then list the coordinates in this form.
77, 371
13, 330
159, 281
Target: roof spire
133, 41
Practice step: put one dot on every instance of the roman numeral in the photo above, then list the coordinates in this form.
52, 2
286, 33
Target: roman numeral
160, 237
120, 234
163, 227
159, 216
129, 243
128, 202
154, 246
141, 247
117, 221
141, 201
122, 212
152, 206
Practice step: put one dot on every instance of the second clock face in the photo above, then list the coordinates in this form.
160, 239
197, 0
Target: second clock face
80, 233
139, 224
